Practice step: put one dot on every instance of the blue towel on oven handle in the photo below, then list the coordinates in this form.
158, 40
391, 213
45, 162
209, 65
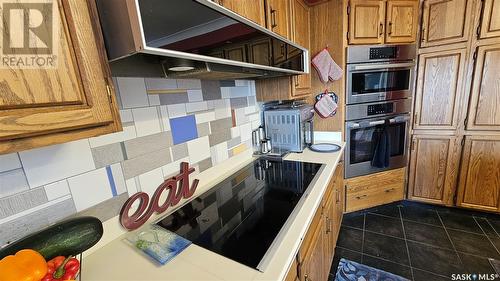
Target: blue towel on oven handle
382, 152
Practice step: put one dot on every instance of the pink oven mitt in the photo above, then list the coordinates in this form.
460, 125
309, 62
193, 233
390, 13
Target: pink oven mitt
326, 66
326, 106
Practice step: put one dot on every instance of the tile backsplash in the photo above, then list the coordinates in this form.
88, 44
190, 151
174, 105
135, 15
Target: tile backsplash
165, 122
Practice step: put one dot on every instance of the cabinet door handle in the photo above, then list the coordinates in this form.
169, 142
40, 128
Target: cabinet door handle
306, 278
389, 31
415, 118
381, 29
296, 78
361, 196
327, 225
422, 35
273, 18
389, 190
337, 196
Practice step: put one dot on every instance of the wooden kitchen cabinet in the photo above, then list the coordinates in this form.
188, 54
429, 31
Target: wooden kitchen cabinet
313, 266
374, 189
366, 21
439, 89
490, 21
300, 22
73, 100
253, 10
434, 163
278, 16
446, 22
479, 184
484, 109
402, 21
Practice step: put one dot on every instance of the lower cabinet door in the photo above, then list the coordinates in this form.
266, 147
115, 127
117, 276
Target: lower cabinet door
313, 265
479, 185
434, 162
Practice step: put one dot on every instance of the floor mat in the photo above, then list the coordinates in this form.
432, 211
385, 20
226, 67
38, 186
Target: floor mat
353, 271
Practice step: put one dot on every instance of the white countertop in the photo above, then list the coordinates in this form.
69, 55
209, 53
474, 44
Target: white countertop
114, 259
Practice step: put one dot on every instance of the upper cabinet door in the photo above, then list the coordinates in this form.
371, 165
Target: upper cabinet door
74, 94
250, 9
439, 88
479, 185
490, 23
366, 22
446, 22
402, 21
300, 22
484, 110
434, 162
278, 13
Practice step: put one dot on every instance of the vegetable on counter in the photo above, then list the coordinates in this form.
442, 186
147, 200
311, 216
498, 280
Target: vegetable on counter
25, 265
61, 268
67, 238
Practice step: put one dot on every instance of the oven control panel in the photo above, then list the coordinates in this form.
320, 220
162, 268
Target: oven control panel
383, 108
383, 53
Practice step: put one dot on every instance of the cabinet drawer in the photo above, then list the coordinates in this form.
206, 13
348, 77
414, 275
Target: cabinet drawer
376, 189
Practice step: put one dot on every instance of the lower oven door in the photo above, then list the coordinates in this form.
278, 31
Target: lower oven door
362, 137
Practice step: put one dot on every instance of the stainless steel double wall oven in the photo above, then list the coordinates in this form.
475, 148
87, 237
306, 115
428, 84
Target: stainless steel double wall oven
380, 81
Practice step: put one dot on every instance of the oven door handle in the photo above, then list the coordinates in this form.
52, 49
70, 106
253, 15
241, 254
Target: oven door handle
399, 119
381, 66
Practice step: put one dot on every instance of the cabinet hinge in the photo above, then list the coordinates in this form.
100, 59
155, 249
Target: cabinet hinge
347, 35
348, 9
412, 145
108, 90
478, 31
463, 141
474, 56
465, 121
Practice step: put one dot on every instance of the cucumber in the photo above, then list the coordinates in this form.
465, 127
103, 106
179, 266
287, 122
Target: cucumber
66, 238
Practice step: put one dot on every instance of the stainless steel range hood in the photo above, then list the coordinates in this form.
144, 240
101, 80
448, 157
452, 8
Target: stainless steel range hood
193, 39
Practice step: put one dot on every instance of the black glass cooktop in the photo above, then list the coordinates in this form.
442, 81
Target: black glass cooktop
240, 217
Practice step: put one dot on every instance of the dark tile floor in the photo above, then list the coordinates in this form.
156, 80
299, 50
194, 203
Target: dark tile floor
418, 241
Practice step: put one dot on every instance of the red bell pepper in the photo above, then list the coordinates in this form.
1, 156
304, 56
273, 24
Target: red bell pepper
60, 268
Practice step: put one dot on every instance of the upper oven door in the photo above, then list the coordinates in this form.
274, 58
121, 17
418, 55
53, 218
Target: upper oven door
379, 81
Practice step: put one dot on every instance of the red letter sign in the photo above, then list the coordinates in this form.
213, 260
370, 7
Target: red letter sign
146, 208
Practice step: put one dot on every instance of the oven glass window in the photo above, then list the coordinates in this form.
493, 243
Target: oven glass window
380, 81
364, 140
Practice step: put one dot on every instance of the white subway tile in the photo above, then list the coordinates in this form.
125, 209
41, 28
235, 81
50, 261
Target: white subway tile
235, 132
154, 100
90, 189
204, 117
117, 171
246, 131
127, 133
57, 189
176, 110
151, 180
132, 92
199, 149
49, 164
164, 119
146, 121
131, 186
196, 106
195, 95
9, 162
126, 115
174, 167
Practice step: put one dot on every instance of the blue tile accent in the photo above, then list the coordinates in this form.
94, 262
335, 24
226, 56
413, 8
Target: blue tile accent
183, 129
111, 181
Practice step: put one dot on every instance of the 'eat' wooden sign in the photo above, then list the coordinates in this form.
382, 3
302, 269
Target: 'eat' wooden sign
177, 186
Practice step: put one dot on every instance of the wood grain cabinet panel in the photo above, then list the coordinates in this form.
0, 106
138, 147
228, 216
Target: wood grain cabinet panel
253, 10
446, 22
484, 110
278, 15
42, 106
490, 23
300, 22
366, 22
402, 21
439, 89
479, 185
313, 266
434, 162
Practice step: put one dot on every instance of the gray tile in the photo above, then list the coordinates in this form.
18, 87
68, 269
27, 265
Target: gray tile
22, 201
107, 155
143, 145
173, 98
205, 164
221, 124
219, 137
33, 222
211, 90
179, 151
146, 163
107, 209
234, 142
227, 83
203, 129
252, 100
12, 182
239, 102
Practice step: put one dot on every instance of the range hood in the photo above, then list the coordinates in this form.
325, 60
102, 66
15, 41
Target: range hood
193, 39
